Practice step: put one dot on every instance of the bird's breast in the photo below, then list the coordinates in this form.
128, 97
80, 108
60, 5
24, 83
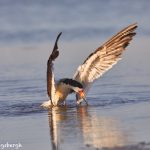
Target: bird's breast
62, 92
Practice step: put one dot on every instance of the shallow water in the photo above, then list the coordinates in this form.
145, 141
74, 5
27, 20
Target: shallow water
119, 103
80, 127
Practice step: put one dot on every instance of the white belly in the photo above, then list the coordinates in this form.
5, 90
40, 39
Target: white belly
61, 93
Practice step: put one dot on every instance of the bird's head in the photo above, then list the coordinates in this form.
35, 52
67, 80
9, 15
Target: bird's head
81, 94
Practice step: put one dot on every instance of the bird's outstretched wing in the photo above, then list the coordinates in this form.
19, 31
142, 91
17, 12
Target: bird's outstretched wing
104, 57
50, 74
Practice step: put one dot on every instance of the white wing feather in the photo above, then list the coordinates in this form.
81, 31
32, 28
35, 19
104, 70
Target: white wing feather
104, 57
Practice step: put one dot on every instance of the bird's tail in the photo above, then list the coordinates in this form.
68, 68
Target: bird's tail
46, 104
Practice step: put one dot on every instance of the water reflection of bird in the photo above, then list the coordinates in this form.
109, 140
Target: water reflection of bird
100, 131
96, 64
55, 116
82, 127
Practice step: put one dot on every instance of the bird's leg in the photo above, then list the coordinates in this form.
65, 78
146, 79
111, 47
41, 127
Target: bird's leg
64, 103
86, 102
51, 103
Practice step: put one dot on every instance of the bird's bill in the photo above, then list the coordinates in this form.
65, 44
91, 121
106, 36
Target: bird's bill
82, 94
82, 98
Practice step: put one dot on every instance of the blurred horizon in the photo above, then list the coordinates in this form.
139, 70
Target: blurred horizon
33, 22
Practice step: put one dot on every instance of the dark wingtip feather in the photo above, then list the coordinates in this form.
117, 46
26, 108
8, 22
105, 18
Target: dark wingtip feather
55, 52
55, 46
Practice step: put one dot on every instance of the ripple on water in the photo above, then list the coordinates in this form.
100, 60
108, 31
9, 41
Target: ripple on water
24, 108
20, 109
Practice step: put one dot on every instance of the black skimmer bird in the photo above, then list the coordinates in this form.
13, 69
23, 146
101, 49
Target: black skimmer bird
96, 64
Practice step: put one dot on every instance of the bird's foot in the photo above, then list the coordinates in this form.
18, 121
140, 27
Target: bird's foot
86, 102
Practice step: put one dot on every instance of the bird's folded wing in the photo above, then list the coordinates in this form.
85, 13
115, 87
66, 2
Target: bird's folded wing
50, 75
104, 57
